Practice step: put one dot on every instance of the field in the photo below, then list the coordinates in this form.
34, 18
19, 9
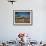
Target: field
22, 20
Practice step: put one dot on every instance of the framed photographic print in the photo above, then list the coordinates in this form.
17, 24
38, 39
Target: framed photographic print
22, 17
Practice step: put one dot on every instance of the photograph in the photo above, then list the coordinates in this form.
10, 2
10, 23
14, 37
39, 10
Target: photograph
22, 16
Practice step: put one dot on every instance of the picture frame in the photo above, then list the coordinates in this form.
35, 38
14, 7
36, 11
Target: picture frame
22, 17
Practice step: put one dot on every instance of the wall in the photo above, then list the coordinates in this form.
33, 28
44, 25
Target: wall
37, 31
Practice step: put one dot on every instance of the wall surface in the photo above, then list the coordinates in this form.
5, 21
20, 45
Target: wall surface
37, 31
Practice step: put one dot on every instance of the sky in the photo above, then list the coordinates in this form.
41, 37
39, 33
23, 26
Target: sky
22, 13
